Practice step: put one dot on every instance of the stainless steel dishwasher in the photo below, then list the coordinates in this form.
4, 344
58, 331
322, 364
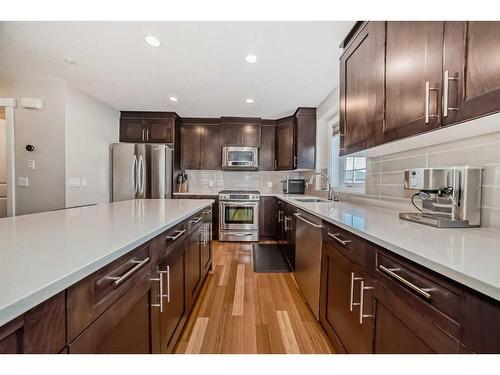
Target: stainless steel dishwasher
308, 258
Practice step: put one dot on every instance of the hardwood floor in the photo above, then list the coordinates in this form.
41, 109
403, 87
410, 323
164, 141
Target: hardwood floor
240, 311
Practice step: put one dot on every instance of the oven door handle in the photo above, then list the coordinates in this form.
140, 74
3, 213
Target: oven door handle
239, 204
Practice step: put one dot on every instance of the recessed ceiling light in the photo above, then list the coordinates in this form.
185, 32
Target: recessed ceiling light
249, 101
152, 41
251, 59
173, 99
69, 60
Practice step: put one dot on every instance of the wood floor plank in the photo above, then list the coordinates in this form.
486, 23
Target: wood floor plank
291, 346
196, 339
239, 291
247, 312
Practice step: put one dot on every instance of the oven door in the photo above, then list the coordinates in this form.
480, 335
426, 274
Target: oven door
239, 215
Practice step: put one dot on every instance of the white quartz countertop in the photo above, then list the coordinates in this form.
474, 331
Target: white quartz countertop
470, 256
43, 254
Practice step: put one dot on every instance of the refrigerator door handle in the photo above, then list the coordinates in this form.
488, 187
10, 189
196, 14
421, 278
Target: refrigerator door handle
143, 174
134, 174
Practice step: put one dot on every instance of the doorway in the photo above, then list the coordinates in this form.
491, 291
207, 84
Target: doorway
7, 174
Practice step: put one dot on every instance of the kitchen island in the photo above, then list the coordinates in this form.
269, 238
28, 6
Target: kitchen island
92, 255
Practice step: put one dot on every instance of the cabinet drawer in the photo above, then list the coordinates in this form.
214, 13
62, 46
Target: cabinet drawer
194, 221
436, 299
172, 238
88, 298
347, 243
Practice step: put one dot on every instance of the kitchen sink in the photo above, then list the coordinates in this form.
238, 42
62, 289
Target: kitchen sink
311, 200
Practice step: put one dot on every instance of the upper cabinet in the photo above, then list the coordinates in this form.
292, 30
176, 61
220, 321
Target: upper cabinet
296, 140
267, 159
284, 143
148, 127
471, 70
362, 89
413, 63
399, 79
200, 144
240, 131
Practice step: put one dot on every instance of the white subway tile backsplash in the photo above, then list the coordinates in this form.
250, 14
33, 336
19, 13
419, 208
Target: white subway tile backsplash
480, 151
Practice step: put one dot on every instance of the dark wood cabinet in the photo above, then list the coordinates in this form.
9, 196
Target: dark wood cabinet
267, 218
148, 127
132, 130
191, 146
267, 157
288, 234
130, 325
241, 131
404, 329
471, 70
40, 330
413, 76
200, 144
362, 89
305, 138
194, 266
285, 155
160, 130
172, 270
346, 302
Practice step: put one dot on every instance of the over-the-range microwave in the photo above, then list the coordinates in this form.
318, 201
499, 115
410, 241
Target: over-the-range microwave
240, 158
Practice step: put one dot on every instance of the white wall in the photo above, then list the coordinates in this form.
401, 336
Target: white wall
44, 129
326, 114
91, 126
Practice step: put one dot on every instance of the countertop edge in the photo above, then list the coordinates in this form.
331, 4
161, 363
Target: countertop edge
27, 302
458, 277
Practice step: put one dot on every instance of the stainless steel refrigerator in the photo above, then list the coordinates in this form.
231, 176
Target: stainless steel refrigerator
142, 170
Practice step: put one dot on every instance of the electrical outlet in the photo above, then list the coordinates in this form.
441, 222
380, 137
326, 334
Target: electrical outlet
31, 165
211, 183
269, 184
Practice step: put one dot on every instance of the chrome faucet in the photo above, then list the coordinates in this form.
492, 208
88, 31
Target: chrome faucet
332, 195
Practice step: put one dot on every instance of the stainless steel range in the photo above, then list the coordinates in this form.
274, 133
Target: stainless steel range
239, 215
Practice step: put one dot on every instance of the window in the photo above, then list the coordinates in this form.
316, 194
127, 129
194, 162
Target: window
354, 170
347, 173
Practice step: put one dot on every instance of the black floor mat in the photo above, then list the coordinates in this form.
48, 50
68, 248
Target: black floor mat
269, 258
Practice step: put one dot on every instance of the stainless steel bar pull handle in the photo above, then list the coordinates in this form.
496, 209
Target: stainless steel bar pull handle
280, 216
410, 285
134, 174
352, 303
362, 302
167, 272
307, 221
196, 220
143, 138
446, 86
147, 135
336, 238
428, 89
160, 294
179, 233
120, 279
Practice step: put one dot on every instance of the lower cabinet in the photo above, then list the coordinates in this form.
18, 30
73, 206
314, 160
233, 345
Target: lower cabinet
346, 302
130, 325
403, 329
193, 265
267, 218
173, 306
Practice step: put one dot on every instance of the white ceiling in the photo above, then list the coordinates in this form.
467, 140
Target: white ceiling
201, 63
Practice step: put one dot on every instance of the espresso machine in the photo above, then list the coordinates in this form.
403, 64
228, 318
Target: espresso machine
450, 197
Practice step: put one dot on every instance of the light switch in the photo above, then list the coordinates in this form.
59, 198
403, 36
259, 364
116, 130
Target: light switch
74, 181
211, 182
22, 181
31, 165
269, 184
